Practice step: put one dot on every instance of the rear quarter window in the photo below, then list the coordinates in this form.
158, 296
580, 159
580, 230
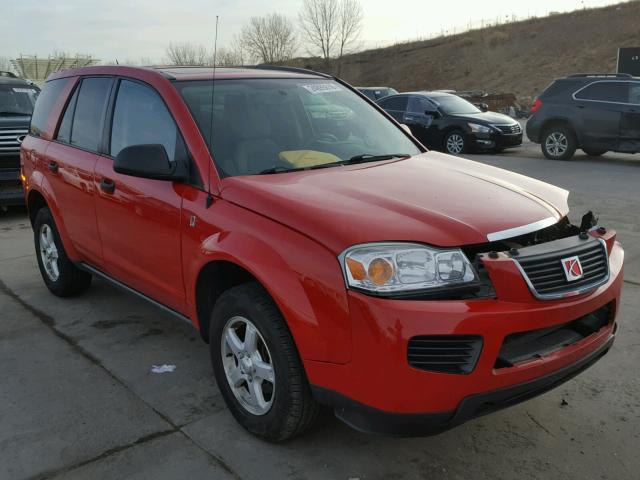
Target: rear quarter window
605, 92
44, 105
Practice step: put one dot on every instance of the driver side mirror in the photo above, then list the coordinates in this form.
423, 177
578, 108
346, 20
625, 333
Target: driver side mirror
148, 161
432, 113
483, 107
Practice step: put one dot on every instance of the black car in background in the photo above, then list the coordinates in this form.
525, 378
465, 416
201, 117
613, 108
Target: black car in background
376, 93
17, 99
594, 112
446, 122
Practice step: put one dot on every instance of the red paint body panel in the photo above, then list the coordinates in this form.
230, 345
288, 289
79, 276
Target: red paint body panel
287, 230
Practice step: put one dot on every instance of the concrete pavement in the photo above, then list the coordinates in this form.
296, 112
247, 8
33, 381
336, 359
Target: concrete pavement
78, 400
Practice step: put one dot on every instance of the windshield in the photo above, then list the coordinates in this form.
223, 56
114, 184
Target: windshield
17, 100
278, 125
454, 105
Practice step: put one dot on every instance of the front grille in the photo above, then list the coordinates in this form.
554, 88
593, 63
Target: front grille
9, 143
524, 346
509, 129
445, 353
546, 276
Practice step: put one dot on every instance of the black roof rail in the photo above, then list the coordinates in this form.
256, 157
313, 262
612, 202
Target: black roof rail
290, 69
7, 74
613, 75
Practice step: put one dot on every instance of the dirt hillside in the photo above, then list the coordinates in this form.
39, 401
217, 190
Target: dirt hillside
520, 58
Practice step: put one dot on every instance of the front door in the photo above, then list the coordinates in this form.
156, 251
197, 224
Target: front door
139, 218
630, 124
420, 117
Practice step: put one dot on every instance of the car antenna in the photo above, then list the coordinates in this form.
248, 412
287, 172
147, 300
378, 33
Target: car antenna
213, 89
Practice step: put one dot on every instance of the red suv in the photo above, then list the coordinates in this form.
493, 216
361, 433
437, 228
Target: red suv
323, 253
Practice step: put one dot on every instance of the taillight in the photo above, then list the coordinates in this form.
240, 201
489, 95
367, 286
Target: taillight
536, 105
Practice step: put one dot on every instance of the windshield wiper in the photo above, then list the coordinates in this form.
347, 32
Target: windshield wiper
364, 157
368, 157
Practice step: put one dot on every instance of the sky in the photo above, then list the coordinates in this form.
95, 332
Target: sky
142, 29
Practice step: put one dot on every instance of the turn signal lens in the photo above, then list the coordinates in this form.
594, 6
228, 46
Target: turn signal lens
536, 105
380, 271
356, 269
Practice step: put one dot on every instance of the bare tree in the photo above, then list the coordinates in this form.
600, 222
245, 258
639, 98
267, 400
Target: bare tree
269, 39
332, 27
187, 54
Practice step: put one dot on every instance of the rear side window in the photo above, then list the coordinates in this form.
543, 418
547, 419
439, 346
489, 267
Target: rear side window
64, 132
141, 117
45, 103
90, 106
634, 93
605, 92
398, 104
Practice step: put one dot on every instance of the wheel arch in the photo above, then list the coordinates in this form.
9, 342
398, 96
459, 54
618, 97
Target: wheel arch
559, 121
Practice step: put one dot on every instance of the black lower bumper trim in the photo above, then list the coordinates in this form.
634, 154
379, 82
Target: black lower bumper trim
371, 420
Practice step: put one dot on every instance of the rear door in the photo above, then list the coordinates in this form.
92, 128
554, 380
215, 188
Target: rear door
630, 126
139, 218
601, 104
70, 161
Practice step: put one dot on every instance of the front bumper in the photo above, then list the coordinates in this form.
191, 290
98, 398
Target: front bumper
379, 382
494, 140
11, 192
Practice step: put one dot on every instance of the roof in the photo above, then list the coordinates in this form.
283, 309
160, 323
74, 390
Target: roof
431, 94
15, 81
179, 73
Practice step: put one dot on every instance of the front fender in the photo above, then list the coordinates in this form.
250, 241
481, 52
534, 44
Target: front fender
303, 277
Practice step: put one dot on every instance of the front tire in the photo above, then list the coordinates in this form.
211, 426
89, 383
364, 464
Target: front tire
455, 142
60, 275
558, 143
257, 367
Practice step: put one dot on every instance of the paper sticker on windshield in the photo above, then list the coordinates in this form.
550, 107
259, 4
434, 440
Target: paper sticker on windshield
24, 90
322, 87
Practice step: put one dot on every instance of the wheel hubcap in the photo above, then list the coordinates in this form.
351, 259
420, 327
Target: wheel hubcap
556, 144
455, 143
49, 253
247, 365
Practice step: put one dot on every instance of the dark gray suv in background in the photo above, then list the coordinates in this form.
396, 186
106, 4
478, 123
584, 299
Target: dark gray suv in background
594, 112
17, 98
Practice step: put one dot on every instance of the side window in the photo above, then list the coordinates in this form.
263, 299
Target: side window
45, 103
88, 116
634, 93
141, 117
605, 92
64, 132
398, 104
419, 105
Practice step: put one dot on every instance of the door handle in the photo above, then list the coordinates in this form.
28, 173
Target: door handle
580, 106
53, 167
107, 185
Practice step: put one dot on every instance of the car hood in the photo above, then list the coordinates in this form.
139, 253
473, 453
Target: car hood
487, 118
18, 121
431, 198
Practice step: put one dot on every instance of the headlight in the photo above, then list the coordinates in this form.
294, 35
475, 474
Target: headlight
477, 128
401, 267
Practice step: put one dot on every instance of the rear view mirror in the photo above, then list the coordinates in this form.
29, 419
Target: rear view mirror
147, 161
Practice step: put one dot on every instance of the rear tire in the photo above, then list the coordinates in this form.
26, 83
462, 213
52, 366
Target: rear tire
285, 406
60, 275
594, 153
559, 143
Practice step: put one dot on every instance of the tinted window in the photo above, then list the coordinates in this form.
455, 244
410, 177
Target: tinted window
141, 117
89, 113
605, 92
17, 99
45, 103
262, 124
634, 93
419, 105
64, 132
398, 104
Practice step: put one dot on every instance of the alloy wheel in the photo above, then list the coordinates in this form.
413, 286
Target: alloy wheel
557, 144
455, 143
247, 365
49, 253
